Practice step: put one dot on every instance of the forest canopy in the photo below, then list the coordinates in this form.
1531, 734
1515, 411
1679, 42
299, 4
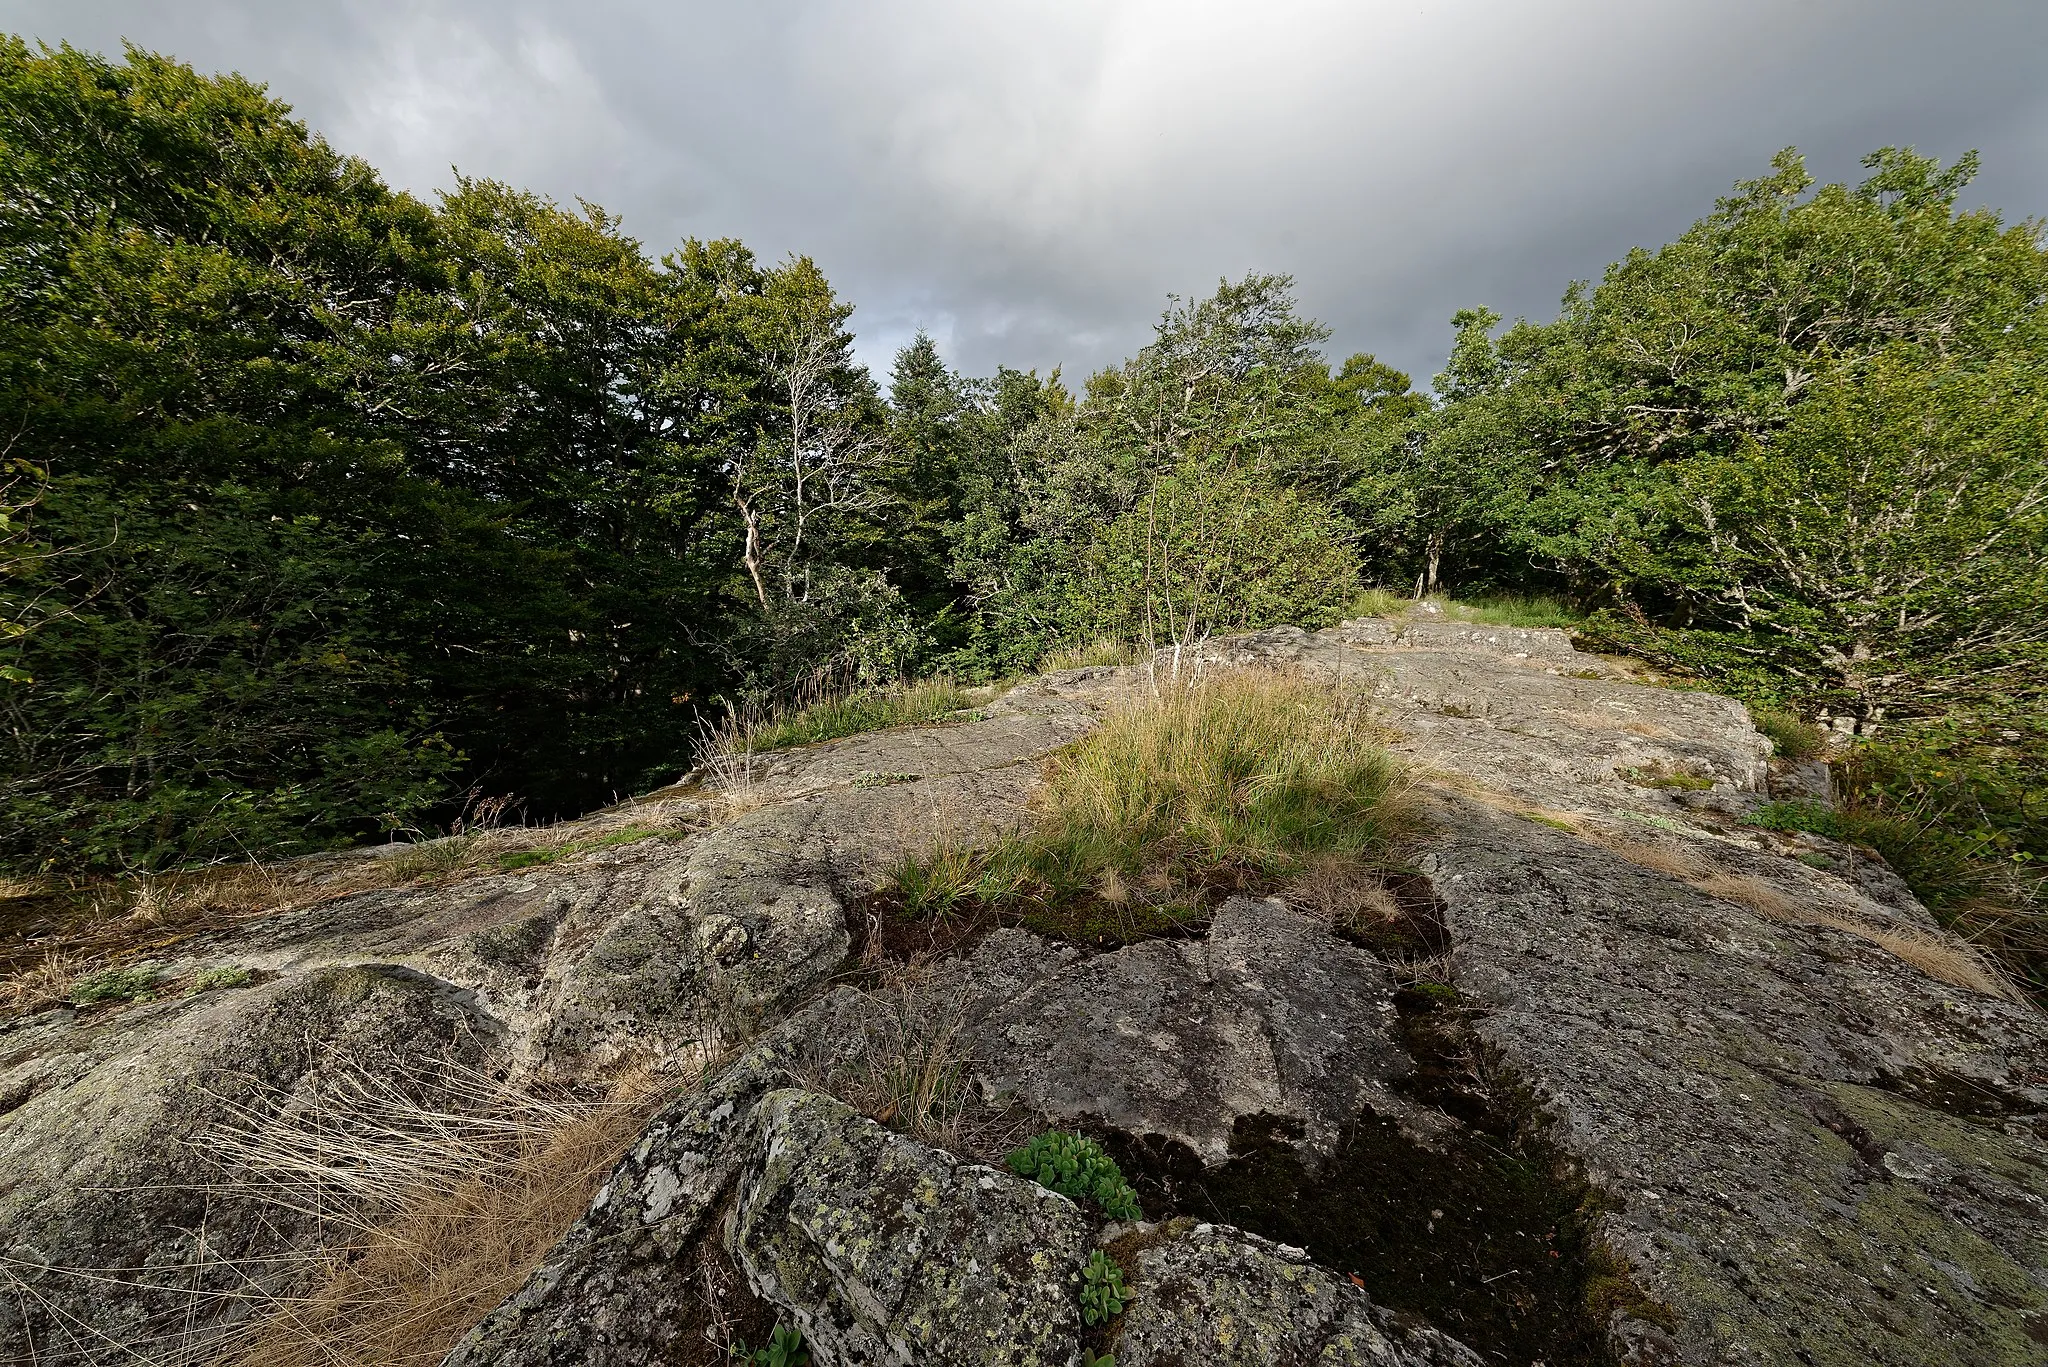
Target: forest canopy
324, 505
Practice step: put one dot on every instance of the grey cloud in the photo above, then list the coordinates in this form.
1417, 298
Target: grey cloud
1029, 180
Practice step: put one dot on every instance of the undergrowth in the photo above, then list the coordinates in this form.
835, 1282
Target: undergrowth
1238, 782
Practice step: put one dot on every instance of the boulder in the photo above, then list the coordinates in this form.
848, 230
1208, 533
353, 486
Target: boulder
1213, 1295
1270, 1015
887, 1251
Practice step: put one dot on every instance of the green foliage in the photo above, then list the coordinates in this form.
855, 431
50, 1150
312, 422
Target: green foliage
1089, 1359
225, 976
114, 985
1206, 552
785, 1348
1790, 737
1102, 1289
1077, 1168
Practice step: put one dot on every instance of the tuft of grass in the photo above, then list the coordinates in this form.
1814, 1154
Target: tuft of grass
1248, 777
450, 1206
431, 859
513, 860
1378, 603
830, 718
1791, 738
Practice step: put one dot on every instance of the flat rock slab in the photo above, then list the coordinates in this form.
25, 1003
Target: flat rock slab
886, 1251
1217, 1296
1270, 1016
1815, 1152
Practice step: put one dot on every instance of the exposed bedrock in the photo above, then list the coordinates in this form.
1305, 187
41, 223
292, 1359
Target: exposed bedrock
1658, 1088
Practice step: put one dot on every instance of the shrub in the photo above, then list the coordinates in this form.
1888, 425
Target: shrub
1102, 1289
114, 985
1077, 1168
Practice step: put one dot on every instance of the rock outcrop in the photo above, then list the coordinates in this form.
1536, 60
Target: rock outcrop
1658, 1088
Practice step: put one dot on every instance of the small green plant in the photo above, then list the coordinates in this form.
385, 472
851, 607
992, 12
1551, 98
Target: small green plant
1510, 611
1791, 738
1654, 777
1089, 1359
1102, 1289
228, 975
1077, 1168
784, 1349
547, 854
114, 985
1810, 817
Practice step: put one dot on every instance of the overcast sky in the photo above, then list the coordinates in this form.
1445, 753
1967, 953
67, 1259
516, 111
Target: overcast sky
1028, 181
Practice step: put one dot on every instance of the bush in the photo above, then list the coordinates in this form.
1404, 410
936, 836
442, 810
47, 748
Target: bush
214, 979
1077, 1168
1208, 551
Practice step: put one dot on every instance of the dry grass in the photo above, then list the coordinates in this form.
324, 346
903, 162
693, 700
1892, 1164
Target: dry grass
1940, 957
908, 1064
445, 1210
1344, 896
124, 920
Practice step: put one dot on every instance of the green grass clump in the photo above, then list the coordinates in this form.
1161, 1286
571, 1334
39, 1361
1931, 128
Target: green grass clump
1791, 738
228, 975
1078, 1169
1507, 610
1379, 603
114, 985
831, 718
548, 854
1245, 778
